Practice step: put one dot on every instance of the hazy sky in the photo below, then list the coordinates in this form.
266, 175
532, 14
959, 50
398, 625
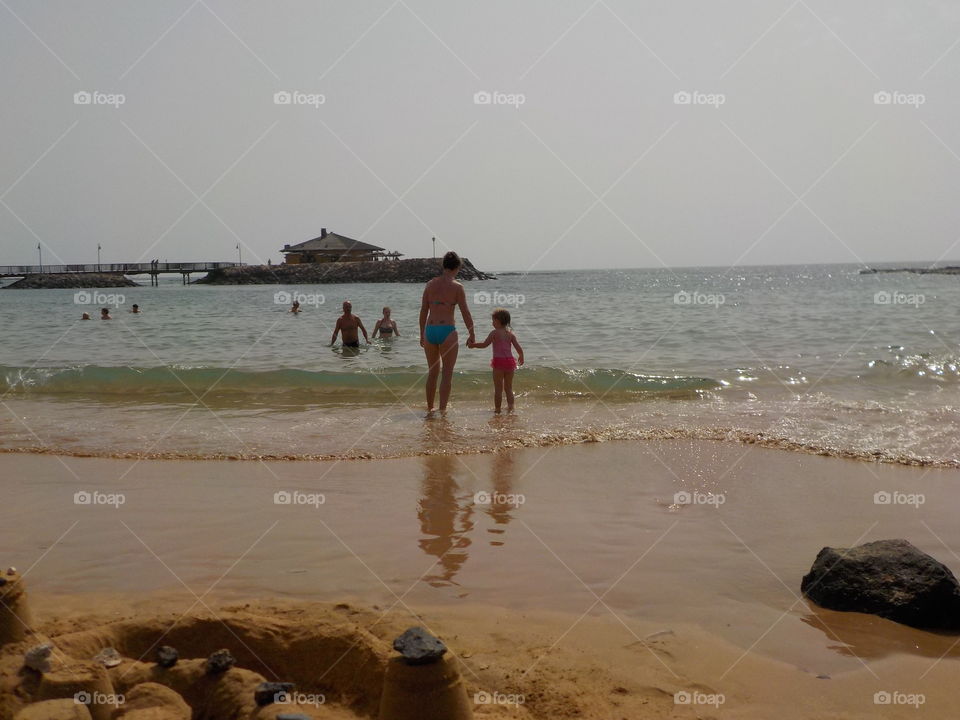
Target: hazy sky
600, 166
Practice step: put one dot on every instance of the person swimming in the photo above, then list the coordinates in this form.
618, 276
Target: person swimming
105, 314
135, 310
85, 316
438, 333
295, 307
348, 324
386, 326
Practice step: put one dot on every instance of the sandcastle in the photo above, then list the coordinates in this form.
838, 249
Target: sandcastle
217, 668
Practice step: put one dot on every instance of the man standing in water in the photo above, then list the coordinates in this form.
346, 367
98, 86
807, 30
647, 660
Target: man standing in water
348, 323
438, 333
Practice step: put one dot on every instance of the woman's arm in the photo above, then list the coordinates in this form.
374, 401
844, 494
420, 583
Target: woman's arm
465, 312
424, 308
396, 330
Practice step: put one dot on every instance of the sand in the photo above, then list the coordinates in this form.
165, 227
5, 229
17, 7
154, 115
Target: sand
584, 586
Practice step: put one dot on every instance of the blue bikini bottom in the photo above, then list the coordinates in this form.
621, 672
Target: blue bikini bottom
436, 334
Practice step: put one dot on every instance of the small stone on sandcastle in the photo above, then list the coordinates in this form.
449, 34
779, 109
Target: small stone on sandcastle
220, 661
38, 658
167, 656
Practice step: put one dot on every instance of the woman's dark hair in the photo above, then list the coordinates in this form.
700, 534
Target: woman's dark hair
451, 261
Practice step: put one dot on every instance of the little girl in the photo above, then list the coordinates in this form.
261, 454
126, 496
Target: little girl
503, 364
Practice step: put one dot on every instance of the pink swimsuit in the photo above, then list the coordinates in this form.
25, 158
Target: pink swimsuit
503, 356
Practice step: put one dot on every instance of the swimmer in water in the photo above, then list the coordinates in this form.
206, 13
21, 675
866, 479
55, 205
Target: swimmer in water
348, 324
85, 316
135, 310
386, 326
295, 308
105, 314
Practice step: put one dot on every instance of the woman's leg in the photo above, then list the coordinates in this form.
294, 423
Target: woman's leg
508, 387
497, 390
433, 372
449, 350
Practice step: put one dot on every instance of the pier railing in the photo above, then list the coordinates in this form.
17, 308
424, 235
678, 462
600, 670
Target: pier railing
114, 268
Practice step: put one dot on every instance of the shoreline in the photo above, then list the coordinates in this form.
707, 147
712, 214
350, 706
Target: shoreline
723, 436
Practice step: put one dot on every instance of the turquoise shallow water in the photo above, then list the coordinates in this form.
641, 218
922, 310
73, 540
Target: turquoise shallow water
820, 356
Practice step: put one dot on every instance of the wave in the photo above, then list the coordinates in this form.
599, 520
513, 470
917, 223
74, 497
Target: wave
382, 385
537, 440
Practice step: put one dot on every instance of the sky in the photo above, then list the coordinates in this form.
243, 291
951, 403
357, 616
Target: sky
534, 135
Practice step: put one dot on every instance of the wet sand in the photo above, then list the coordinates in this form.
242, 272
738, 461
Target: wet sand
591, 534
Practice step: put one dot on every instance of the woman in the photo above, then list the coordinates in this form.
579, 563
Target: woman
386, 326
438, 333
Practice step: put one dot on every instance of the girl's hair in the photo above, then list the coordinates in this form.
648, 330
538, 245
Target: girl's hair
386, 309
502, 316
451, 261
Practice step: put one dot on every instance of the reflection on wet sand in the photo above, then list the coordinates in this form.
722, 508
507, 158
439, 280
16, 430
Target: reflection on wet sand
870, 637
446, 510
502, 499
445, 520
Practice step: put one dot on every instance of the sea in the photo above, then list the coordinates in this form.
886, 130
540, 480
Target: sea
819, 358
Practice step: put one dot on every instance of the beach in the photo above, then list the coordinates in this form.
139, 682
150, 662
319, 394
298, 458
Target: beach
582, 562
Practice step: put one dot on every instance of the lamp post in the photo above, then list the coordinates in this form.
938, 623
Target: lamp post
40, 255
98, 257
434, 248
239, 255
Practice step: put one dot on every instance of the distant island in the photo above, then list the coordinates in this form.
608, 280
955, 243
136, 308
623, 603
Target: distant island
412, 270
948, 270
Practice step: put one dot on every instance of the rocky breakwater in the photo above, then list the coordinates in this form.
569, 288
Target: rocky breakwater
412, 270
47, 281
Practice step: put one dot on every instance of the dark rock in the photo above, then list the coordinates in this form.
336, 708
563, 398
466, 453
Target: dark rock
167, 656
71, 280
266, 692
889, 578
419, 647
220, 661
412, 270
292, 716
3, 581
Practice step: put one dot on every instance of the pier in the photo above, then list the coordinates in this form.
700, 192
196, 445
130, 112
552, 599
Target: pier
153, 269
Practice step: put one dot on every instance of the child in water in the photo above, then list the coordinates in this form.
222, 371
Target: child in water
503, 363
